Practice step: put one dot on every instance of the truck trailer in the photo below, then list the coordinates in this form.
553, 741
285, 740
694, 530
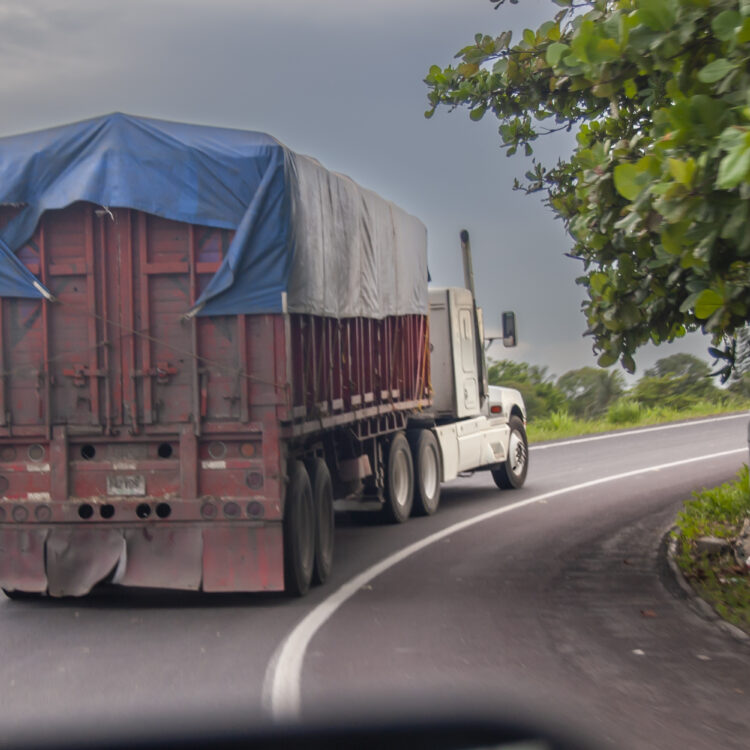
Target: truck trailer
207, 344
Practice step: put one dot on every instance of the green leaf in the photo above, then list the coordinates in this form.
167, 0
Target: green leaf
606, 50
628, 181
672, 238
477, 113
725, 24
581, 41
500, 66
626, 266
716, 70
545, 29
629, 314
597, 281
650, 164
682, 171
468, 69
732, 137
529, 37
630, 88
735, 225
743, 35
555, 51
603, 90
707, 303
689, 302
658, 15
733, 168
606, 359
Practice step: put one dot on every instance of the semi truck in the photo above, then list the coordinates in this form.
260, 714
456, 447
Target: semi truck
210, 343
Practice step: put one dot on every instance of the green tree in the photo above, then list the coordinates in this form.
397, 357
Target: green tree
655, 193
539, 392
677, 381
506, 370
677, 365
590, 390
740, 386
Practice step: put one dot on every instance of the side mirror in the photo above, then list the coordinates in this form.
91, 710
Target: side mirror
509, 329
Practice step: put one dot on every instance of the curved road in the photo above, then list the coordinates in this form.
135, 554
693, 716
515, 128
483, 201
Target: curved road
555, 594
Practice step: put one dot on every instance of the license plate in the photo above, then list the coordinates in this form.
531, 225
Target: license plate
126, 485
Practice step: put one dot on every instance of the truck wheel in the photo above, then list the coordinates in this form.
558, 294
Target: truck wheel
299, 532
426, 456
512, 473
399, 480
322, 493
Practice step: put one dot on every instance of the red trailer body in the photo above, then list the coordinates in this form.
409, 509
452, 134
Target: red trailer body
151, 449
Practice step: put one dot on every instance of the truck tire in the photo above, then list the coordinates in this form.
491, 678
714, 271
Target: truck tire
299, 532
512, 473
322, 492
399, 480
426, 458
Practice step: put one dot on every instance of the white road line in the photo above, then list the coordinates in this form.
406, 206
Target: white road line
638, 431
282, 683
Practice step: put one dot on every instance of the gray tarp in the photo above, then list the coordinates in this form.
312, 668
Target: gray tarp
356, 254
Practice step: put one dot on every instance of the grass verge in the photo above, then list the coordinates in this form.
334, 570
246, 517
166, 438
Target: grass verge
623, 414
719, 579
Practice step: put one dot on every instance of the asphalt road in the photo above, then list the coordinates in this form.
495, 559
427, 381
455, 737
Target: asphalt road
555, 595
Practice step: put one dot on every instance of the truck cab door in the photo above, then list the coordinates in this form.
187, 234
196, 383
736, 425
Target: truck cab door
466, 365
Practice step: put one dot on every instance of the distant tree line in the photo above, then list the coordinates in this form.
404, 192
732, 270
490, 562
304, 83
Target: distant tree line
676, 382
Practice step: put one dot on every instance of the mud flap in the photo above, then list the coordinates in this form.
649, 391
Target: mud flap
243, 558
22, 560
163, 557
78, 559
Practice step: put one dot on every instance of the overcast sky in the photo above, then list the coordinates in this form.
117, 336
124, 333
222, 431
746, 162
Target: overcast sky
340, 80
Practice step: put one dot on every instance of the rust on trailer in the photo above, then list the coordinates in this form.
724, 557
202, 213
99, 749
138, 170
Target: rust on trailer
167, 556
236, 558
22, 556
143, 448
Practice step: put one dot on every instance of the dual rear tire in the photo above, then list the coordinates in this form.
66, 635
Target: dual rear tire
322, 489
427, 472
308, 526
412, 476
299, 531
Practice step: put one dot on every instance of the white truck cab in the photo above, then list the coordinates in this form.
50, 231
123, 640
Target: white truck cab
478, 427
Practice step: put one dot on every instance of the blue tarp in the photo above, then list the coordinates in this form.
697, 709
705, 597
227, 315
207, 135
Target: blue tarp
15, 279
222, 178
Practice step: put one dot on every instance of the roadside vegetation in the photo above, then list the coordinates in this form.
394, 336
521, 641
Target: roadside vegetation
625, 414
718, 572
591, 399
